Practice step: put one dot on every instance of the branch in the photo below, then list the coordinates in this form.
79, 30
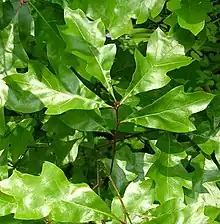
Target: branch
116, 108
125, 213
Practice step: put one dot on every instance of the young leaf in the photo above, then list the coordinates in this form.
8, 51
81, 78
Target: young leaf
41, 83
86, 40
51, 194
171, 112
164, 54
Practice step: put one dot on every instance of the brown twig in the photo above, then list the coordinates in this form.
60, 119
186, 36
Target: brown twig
48, 221
117, 123
125, 213
21, 2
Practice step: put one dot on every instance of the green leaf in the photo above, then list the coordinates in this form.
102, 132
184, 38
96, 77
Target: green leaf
167, 143
6, 14
12, 54
212, 196
195, 28
10, 220
7, 204
138, 198
188, 9
3, 159
3, 99
149, 9
86, 40
22, 134
43, 85
168, 173
172, 115
189, 17
72, 154
84, 120
129, 166
205, 170
212, 144
51, 194
174, 211
120, 23
164, 54
214, 111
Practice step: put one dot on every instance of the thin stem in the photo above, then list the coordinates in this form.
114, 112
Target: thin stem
125, 213
98, 178
117, 123
20, 159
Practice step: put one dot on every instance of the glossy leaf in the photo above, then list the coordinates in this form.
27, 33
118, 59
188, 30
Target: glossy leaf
174, 211
163, 54
51, 193
166, 114
12, 54
120, 23
44, 86
86, 40
169, 174
94, 87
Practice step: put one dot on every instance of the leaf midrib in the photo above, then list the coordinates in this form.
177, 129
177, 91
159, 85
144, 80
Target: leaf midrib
165, 111
153, 66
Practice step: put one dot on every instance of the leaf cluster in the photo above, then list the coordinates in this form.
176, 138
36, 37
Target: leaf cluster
109, 111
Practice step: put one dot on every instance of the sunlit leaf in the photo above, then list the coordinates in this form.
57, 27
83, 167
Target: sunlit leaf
51, 193
44, 86
172, 115
163, 54
12, 54
138, 198
86, 40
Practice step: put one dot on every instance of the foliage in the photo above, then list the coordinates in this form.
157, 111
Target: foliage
109, 111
